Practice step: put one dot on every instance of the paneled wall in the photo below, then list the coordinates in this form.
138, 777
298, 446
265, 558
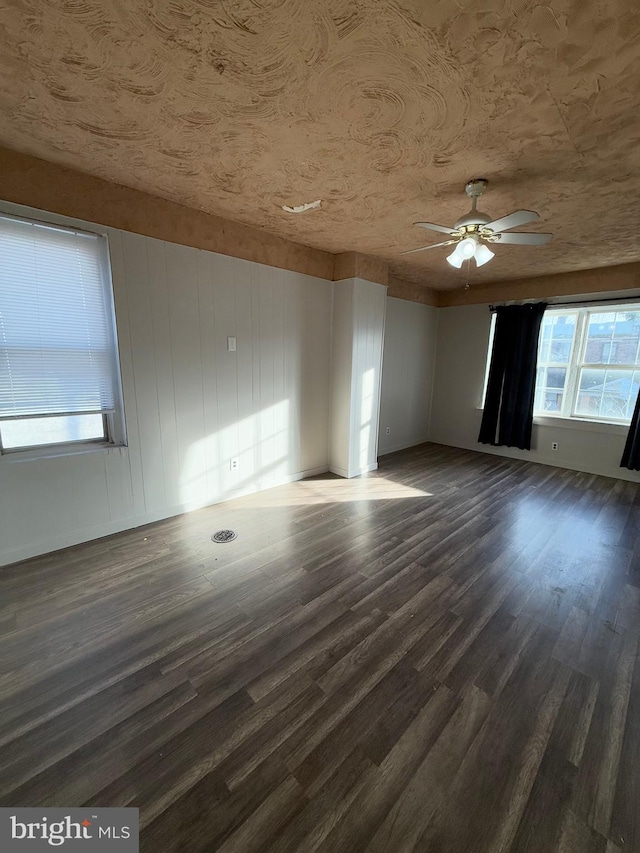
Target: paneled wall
358, 331
370, 304
341, 374
190, 404
407, 374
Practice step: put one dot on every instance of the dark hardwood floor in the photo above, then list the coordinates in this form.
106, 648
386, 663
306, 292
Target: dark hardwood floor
441, 657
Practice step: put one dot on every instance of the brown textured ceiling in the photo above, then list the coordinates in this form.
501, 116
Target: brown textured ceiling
382, 109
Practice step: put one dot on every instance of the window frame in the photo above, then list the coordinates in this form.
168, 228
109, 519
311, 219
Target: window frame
576, 363
114, 422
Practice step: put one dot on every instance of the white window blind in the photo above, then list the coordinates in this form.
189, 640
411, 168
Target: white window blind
57, 344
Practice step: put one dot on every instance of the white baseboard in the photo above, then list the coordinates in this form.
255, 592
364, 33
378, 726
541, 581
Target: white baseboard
356, 472
341, 472
402, 446
76, 537
522, 456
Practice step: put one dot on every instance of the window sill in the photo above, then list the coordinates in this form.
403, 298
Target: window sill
583, 425
36, 453
578, 424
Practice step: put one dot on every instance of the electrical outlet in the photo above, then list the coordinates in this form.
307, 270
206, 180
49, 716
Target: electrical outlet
231, 344
388, 430
554, 445
234, 464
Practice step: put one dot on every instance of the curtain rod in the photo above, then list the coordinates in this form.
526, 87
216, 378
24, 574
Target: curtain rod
493, 308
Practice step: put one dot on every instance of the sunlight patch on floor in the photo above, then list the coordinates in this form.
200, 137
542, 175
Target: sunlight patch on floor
338, 490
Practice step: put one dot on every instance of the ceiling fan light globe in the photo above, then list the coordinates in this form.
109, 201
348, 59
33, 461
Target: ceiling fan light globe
455, 260
483, 255
466, 248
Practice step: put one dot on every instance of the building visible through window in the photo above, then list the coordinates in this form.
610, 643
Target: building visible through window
589, 363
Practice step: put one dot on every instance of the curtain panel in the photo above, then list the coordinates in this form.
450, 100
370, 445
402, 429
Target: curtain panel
507, 419
631, 454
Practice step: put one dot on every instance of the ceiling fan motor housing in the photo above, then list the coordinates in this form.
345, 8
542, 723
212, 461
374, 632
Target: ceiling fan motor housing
474, 217
474, 190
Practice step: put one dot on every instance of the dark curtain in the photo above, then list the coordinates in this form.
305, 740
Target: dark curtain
631, 454
508, 407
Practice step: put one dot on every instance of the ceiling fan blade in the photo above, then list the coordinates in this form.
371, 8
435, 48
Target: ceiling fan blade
512, 220
524, 239
433, 227
432, 246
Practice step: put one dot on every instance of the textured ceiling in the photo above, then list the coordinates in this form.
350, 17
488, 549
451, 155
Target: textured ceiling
381, 109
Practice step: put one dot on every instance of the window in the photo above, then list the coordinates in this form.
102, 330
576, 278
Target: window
589, 363
59, 378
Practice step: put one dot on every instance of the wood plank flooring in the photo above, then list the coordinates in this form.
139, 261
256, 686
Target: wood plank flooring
442, 657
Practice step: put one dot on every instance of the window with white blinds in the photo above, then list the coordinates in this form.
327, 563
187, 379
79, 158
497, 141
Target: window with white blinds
58, 353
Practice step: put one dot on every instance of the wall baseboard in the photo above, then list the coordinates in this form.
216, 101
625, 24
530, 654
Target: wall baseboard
341, 472
357, 472
77, 537
403, 446
617, 474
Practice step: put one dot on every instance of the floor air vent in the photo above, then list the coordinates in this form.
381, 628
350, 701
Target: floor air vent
224, 536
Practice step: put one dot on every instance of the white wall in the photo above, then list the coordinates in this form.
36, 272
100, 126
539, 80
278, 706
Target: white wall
461, 354
190, 405
358, 333
341, 364
407, 374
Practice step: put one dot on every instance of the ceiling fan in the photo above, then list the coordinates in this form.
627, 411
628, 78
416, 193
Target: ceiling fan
472, 232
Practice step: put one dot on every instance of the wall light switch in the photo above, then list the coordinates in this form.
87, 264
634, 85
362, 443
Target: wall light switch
231, 344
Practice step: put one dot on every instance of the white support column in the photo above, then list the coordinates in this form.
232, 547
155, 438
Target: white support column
358, 334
